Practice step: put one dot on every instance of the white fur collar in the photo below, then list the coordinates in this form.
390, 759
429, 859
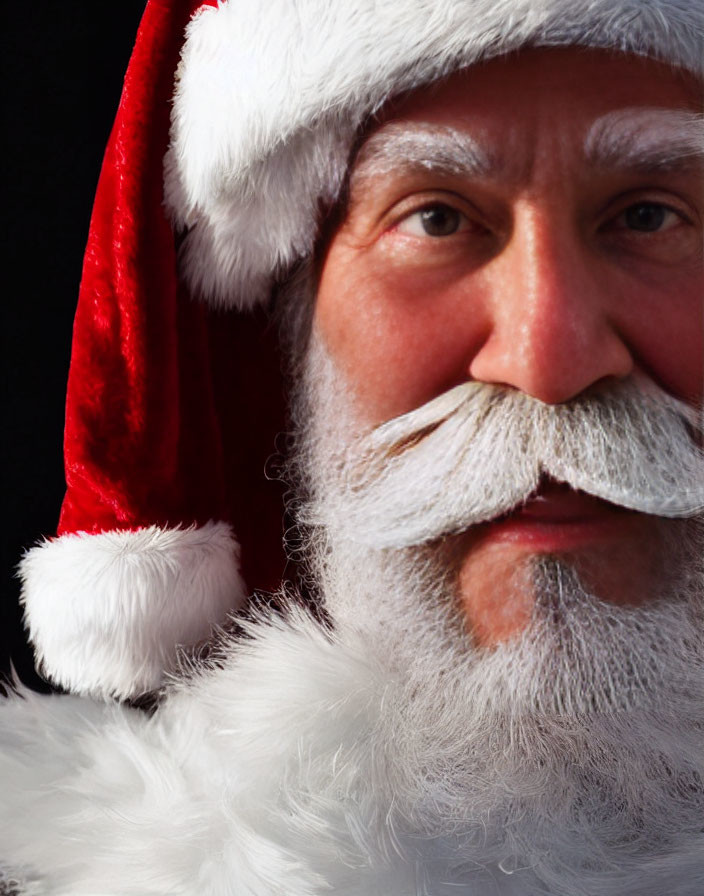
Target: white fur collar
259, 778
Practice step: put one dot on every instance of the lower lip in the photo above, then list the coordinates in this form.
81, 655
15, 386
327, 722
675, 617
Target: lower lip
556, 534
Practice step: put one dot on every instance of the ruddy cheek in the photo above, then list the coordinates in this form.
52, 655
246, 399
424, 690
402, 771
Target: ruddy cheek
667, 330
399, 340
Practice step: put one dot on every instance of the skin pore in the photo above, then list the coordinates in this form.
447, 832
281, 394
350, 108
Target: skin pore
534, 222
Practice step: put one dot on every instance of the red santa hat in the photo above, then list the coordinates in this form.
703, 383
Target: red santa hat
210, 191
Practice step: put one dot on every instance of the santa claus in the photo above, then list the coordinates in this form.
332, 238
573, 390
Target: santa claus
480, 229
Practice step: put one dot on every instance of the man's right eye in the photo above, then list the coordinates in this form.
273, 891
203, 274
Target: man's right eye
435, 220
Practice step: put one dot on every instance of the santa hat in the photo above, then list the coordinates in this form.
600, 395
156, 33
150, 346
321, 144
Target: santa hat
210, 192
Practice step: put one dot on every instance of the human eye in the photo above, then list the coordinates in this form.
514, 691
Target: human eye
436, 227
660, 229
649, 217
437, 219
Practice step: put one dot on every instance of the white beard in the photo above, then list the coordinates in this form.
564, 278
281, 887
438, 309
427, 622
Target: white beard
305, 763
388, 756
576, 748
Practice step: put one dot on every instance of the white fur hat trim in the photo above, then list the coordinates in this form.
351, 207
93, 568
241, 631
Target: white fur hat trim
270, 95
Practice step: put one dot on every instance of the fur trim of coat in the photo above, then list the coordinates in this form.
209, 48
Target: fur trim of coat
264, 775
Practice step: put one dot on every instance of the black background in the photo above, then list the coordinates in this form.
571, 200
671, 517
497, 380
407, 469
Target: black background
62, 69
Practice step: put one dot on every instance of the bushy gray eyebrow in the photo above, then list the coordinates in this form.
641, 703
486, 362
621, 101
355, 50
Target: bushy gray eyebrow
646, 140
636, 139
407, 148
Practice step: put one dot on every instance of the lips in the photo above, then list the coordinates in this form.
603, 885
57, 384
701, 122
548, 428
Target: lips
556, 517
557, 502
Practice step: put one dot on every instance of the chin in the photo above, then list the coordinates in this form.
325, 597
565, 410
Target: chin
634, 561
569, 747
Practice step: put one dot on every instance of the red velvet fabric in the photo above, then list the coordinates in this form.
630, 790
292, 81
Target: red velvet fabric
130, 374
171, 408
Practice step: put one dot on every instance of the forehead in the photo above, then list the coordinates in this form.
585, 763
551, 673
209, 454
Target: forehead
570, 81
547, 99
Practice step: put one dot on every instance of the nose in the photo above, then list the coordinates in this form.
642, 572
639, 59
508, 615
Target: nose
550, 333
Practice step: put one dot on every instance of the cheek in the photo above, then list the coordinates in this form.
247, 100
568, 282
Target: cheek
399, 339
665, 328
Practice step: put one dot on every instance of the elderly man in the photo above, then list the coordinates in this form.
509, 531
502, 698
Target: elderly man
484, 228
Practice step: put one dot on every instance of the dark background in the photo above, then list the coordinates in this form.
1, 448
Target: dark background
62, 66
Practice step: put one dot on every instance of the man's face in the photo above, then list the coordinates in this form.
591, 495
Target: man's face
534, 223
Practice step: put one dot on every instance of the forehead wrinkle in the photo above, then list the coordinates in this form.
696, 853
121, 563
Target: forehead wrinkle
646, 140
407, 149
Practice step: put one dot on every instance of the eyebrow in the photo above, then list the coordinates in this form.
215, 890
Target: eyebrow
407, 149
641, 140
646, 140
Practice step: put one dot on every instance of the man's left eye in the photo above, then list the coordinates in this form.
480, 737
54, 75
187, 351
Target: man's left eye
435, 220
649, 217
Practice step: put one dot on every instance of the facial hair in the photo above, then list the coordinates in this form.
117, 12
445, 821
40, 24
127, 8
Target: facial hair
479, 451
578, 746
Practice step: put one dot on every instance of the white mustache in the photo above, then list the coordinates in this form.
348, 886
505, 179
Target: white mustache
478, 451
